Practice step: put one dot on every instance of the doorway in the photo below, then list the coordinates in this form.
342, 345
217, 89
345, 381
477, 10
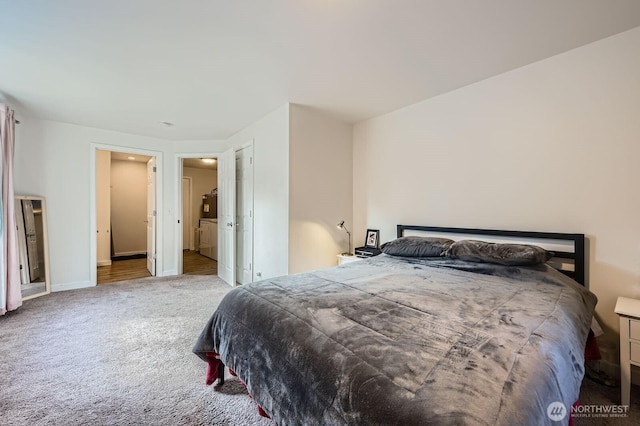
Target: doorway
126, 215
234, 238
199, 216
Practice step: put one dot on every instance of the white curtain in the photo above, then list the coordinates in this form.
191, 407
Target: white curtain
10, 292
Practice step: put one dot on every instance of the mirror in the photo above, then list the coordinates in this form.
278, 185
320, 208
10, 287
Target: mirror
33, 247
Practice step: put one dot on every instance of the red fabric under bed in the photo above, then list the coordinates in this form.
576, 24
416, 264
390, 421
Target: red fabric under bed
263, 414
213, 365
591, 349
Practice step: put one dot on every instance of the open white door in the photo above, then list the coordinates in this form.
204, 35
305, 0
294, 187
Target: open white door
227, 216
151, 216
244, 215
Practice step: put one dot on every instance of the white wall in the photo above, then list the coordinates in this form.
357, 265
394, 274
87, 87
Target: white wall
320, 188
200, 148
61, 155
52, 159
128, 207
553, 146
270, 136
202, 182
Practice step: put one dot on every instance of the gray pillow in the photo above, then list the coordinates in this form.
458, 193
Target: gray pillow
417, 246
503, 254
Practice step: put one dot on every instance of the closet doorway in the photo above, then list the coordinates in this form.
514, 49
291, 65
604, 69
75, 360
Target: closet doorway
228, 237
125, 216
199, 215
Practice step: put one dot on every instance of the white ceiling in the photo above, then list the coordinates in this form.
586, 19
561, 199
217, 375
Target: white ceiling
212, 67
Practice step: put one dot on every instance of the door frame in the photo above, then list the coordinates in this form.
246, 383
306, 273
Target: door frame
190, 212
178, 157
93, 248
152, 216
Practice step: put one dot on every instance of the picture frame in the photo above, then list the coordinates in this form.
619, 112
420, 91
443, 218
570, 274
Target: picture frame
372, 239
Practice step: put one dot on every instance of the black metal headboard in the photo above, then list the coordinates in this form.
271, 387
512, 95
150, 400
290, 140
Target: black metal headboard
576, 256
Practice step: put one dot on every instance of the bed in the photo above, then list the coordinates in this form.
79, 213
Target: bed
407, 340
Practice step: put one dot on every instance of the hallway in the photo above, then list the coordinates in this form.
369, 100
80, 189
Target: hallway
193, 263
120, 270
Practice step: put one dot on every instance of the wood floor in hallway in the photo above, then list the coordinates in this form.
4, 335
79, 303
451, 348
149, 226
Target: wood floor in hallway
120, 270
193, 263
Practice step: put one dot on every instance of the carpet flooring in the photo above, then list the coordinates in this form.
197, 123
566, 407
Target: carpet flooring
120, 354
116, 354
596, 395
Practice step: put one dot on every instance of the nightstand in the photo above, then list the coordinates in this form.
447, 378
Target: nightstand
343, 258
629, 312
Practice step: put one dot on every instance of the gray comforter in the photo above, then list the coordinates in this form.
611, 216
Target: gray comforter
399, 341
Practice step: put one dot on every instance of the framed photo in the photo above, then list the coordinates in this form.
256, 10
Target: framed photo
373, 238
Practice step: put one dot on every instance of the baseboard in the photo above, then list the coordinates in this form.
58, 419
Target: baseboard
131, 255
70, 286
104, 263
